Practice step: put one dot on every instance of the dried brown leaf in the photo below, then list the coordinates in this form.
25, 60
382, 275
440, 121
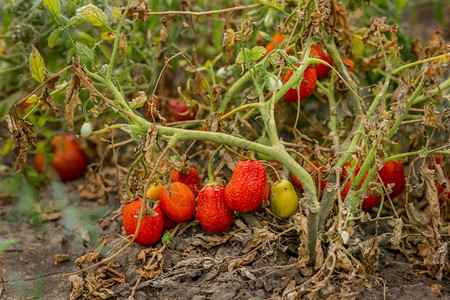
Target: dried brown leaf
435, 288
23, 136
123, 45
77, 286
242, 261
343, 20
88, 258
59, 258
370, 255
209, 241
47, 98
51, 216
96, 186
260, 235
417, 49
431, 195
72, 99
165, 21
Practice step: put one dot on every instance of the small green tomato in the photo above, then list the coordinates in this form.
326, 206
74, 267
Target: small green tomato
86, 129
283, 199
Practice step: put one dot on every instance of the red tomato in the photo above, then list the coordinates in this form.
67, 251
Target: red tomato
180, 204
191, 180
349, 63
392, 173
69, 161
181, 112
321, 70
306, 87
276, 40
151, 226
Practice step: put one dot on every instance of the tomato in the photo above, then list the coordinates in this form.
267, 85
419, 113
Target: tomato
154, 191
393, 174
151, 226
321, 70
299, 185
349, 63
179, 205
191, 180
182, 112
276, 41
213, 213
306, 87
69, 161
283, 199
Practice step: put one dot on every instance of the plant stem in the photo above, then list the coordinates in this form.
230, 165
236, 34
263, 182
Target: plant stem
116, 42
210, 173
399, 69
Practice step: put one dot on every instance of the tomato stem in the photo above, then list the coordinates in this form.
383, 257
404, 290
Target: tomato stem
210, 174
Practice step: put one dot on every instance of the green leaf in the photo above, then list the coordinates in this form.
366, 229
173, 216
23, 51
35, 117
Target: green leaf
85, 52
53, 38
54, 7
36, 4
91, 14
253, 54
401, 4
7, 243
117, 13
37, 64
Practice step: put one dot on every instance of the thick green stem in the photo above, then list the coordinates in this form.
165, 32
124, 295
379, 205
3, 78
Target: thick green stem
442, 87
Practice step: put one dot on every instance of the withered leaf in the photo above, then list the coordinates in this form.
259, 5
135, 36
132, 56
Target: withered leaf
72, 99
343, 20
77, 286
152, 134
239, 262
23, 136
59, 258
123, 45
260, 235
47, 98
88, 258
431, 195
165, 21
429, 115
369, 255
208, 241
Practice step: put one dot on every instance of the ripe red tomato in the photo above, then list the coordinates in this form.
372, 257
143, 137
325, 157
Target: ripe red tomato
180, 204
151, 226
276, 40
247, 188
306, 87
181, 112
213, 213
296, 182
321, 70
192, 180
392, 173
69, 161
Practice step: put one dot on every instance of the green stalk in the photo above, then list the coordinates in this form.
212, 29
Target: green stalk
116, 42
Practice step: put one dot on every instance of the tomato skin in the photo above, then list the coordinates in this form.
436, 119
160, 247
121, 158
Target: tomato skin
191, 180
213, 213
245, 191
283, 199
349, 63
151, 227
299, 185
180, 205
276, 40
69, 161
322, 71
306, 87
181, 112
393, 172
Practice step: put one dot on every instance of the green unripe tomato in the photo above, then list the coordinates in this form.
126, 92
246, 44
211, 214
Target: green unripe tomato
283, 199
86, 129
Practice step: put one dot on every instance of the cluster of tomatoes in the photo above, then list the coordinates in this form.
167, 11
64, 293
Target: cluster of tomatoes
245, 192
311, 74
